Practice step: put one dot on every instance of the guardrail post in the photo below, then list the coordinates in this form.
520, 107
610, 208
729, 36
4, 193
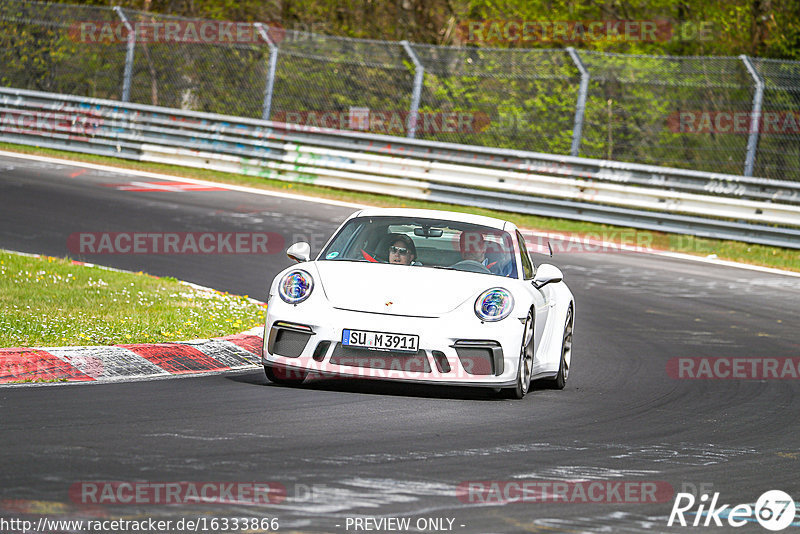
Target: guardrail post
419, 73
755, 117
266, 109
126, 81
580, 106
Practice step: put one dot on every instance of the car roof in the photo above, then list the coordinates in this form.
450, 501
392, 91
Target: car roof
435, 214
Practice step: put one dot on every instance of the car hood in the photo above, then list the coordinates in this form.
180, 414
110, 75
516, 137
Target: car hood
399, 289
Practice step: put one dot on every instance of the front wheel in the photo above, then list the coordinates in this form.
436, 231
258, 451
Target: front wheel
566, 355
525, 363
285, 376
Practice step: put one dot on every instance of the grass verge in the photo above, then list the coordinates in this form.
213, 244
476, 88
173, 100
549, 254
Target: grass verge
776, 257
52, 302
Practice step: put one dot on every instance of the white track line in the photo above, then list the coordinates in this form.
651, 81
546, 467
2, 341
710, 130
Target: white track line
303, 198
173, 178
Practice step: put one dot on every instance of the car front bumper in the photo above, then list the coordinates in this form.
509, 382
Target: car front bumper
454, 349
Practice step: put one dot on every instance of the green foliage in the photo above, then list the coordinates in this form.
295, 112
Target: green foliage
43, 54
755, 27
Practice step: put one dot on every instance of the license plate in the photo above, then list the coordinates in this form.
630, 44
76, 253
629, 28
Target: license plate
380, 340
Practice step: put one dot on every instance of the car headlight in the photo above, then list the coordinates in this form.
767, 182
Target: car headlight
295, 287
494, 304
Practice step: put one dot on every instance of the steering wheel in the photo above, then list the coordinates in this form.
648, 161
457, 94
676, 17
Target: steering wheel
470, 266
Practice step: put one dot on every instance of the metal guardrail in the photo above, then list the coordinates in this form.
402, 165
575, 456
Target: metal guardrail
749, 209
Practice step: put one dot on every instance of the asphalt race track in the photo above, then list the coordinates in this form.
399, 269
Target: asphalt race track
370, 450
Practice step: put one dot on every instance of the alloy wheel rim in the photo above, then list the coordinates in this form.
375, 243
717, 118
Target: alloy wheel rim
566, 353
527, 356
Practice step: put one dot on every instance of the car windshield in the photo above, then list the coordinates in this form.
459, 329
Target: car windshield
431, 243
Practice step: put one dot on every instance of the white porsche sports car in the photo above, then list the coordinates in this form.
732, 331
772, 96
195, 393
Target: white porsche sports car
423, 296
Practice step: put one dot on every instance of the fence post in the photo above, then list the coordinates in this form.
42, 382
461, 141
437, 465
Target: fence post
419, 72
266, 109
755, 117
580, 106
126, 81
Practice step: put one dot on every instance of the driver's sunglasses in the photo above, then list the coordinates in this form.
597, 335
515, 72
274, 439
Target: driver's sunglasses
398, 250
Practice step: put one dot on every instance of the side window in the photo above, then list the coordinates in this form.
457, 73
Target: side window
527, 266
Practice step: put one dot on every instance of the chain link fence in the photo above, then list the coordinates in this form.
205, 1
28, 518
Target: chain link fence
320, 78
518, 98
667, 110
37, 51
202, 76
778, 153
736, 115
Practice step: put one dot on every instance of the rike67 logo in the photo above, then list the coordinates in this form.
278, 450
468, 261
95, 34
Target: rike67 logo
774, 510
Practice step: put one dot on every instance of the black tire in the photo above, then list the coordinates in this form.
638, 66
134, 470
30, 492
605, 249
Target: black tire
560, 381
284, 376
525, 368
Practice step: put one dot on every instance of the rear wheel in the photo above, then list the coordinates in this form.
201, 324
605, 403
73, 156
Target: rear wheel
566, 355
525, 363
285, 376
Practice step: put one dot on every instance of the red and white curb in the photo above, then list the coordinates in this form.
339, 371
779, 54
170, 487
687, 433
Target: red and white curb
35, 366
138, 361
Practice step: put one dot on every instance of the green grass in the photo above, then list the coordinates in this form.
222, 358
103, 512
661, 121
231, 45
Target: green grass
53, 302
37, 381
780, 258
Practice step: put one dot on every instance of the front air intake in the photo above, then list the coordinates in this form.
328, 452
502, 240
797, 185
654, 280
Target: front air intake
321, 350
288, 340
441, 361
480, 357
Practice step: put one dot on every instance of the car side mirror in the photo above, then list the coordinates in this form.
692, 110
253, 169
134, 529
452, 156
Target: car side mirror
299, 252
547, 274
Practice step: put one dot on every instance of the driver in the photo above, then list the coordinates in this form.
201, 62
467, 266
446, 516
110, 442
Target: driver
473, 246
402, 250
